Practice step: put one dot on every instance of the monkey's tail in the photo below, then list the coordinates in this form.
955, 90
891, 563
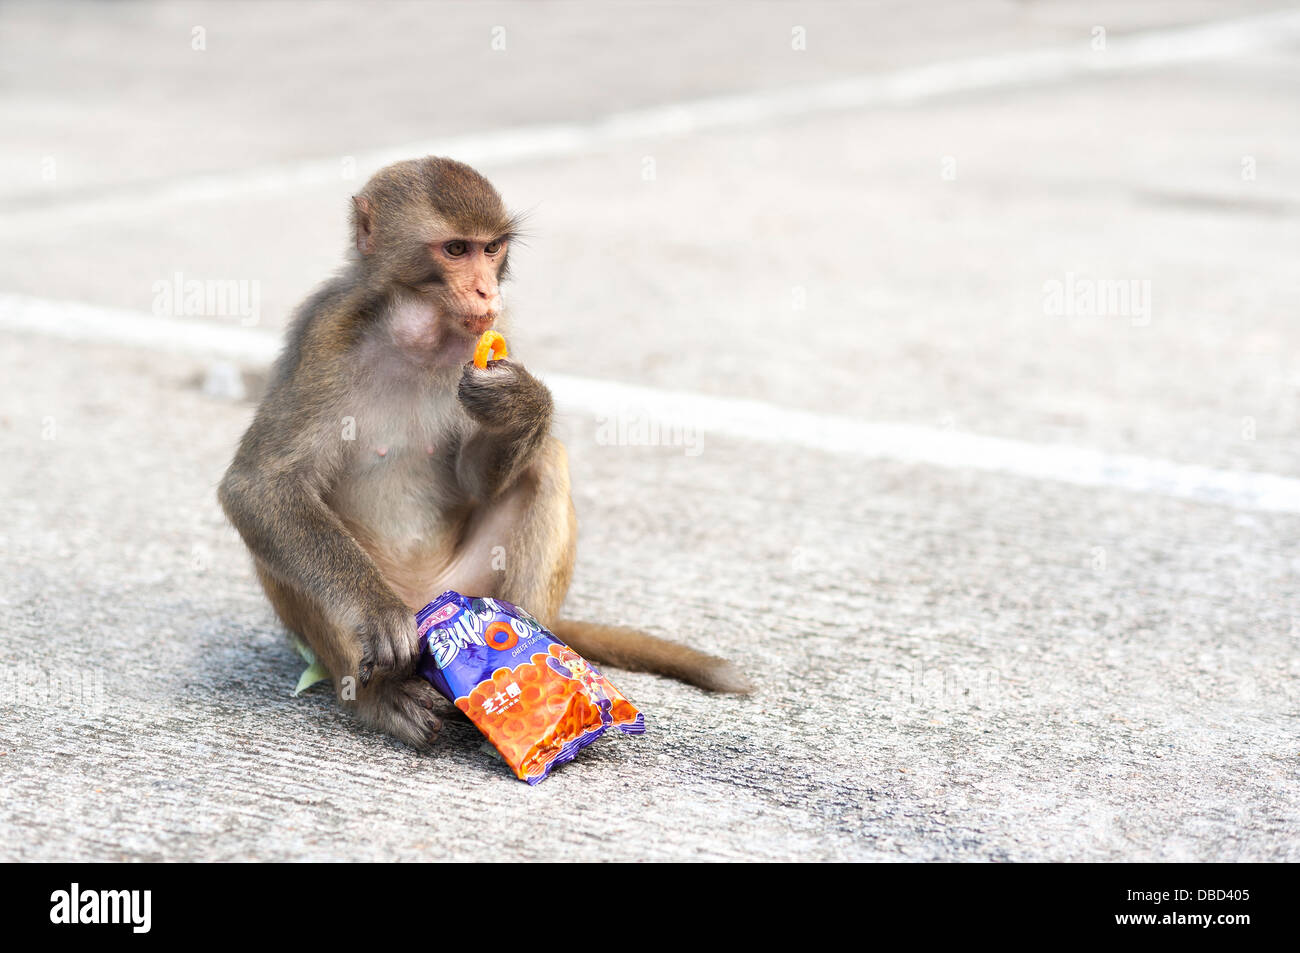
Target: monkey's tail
630, 649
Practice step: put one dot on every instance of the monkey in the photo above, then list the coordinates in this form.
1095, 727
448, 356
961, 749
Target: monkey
382, 467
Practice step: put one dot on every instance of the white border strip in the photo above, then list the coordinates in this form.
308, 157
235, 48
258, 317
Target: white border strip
722, 416
1156, 48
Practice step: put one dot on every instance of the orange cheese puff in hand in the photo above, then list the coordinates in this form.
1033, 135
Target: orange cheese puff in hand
489, 343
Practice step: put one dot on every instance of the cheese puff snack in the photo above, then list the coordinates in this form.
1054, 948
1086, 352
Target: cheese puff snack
490, 342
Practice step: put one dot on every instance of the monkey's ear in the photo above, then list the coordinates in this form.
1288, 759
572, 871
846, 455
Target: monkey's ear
363, 224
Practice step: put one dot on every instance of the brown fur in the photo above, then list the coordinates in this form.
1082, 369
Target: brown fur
452, 481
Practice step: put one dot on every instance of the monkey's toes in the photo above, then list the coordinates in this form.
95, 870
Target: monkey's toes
403, 709
413, 718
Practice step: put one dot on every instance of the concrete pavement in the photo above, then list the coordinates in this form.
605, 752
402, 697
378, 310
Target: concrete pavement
954, 664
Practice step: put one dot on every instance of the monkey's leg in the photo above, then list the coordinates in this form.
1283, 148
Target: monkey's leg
400, 706
521, 548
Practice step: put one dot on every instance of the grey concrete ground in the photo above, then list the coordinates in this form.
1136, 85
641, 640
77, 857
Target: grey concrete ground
953, 664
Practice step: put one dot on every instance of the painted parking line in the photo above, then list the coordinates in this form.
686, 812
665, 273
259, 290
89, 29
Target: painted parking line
1122, 53
679, 415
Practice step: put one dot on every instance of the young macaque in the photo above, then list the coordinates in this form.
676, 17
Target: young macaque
383, 468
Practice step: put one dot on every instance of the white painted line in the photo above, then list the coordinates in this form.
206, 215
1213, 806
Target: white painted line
932, 446
729, 417
1147, 50
97, 325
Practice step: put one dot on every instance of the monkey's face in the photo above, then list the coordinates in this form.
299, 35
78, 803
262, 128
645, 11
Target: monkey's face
436, 232
462, 278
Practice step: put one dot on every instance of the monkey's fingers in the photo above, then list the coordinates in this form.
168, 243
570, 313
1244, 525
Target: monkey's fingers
389, 645
370, 659
489, 343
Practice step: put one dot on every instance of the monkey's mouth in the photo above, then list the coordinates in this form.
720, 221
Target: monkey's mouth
478, 323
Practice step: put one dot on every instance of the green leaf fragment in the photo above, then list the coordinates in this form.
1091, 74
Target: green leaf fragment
313, 673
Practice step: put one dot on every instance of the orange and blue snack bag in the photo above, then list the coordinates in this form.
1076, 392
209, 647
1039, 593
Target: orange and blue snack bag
538, 701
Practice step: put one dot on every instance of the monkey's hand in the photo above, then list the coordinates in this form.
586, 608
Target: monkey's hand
505, 398
513, 411
389, 644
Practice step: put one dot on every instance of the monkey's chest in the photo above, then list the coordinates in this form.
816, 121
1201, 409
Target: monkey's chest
395, 501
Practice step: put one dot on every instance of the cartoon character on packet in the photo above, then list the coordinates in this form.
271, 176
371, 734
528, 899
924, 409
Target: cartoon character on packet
572, 665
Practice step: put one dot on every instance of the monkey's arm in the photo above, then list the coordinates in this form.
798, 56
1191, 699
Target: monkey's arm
512, 410
279, 511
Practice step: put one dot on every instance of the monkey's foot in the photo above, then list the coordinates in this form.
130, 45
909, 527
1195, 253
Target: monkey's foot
403, 709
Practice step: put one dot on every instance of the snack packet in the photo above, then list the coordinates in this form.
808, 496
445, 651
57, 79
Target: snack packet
538, 701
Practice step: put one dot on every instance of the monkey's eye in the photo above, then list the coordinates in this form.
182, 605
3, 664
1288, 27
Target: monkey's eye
455, 249
492, 247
